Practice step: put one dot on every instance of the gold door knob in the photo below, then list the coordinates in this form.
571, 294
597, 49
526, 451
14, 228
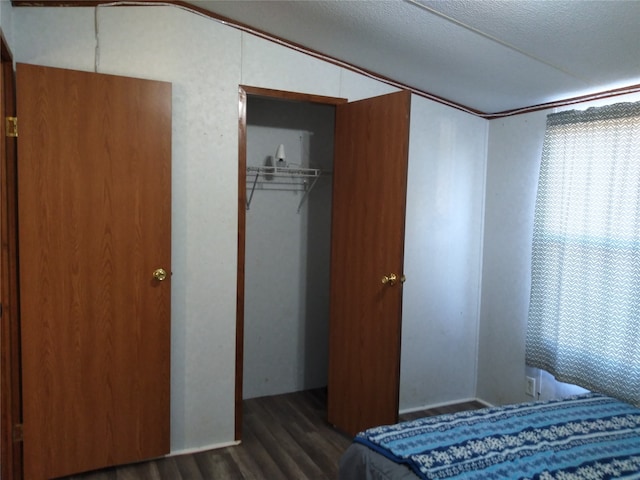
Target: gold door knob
390, 279
159, 274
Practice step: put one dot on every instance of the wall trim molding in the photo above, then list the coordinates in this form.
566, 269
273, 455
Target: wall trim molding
183, 5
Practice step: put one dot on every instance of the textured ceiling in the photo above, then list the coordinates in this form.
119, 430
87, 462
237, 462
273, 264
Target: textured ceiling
488, 55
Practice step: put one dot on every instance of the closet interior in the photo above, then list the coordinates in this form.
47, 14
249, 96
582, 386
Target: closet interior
289, 147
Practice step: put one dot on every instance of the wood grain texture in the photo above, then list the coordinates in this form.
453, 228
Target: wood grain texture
285, 437
242, 235
369, 192
94, 218
294, 96
10, 403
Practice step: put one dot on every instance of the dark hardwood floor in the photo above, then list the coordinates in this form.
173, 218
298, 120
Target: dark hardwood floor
284, 437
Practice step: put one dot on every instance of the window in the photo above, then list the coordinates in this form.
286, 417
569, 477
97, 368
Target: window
584, 313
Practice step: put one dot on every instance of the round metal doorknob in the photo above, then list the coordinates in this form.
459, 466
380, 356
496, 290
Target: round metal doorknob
390, 279
159, 274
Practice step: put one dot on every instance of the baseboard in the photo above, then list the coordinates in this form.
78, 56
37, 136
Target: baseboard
215, 446
485, 403
444, 404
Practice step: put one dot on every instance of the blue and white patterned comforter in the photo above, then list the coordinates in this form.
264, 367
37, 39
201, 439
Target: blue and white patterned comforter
583, 437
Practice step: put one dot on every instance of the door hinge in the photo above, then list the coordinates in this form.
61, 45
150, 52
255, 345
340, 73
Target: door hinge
18, 432
11, 126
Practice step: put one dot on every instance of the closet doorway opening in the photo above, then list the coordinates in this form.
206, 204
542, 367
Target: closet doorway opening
284, 238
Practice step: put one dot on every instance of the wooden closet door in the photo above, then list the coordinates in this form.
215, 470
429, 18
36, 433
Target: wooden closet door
94, 186
10, 401
369, 193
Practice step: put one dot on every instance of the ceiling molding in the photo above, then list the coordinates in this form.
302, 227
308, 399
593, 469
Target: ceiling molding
184, 5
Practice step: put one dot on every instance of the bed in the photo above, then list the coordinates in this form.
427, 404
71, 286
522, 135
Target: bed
582, 437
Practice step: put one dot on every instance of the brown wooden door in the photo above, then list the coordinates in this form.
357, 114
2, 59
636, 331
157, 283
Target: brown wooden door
10, 402
94, 193
369, 191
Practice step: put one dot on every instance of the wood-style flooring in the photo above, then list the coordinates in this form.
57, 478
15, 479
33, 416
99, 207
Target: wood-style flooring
284, 437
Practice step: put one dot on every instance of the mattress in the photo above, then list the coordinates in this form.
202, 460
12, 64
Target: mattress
582, 437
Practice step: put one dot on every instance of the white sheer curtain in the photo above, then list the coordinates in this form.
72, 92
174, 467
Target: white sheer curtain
584, 314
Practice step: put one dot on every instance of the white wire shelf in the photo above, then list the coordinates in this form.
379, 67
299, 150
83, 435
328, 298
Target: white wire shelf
282, 178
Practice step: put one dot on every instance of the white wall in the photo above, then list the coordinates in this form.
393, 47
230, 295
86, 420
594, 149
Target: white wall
515, 149
206, 62
286, 317
6, 23
443, 253
515, 146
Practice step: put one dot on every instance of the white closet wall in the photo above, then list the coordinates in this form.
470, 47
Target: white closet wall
287, 251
